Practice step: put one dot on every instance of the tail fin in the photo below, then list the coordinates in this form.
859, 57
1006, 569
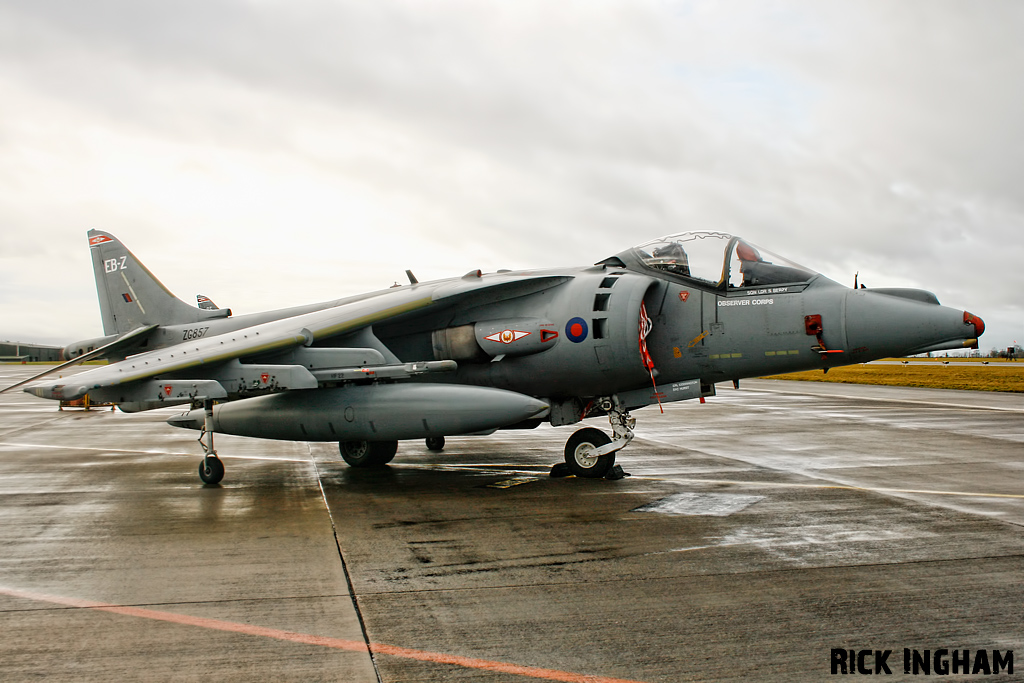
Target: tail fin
131, 296
205, 302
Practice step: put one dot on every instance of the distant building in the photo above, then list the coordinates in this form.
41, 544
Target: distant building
17, 352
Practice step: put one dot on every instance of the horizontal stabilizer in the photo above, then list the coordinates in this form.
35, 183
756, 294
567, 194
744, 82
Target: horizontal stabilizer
206, 303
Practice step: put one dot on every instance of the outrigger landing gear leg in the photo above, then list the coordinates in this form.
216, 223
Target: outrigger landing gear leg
590, 453
211, 469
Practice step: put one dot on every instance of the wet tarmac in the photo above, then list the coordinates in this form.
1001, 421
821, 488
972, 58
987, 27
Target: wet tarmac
757, 532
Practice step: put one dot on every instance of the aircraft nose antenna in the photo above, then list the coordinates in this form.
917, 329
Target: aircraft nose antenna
979, 324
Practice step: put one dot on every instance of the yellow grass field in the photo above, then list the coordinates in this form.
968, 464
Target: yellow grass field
996, 376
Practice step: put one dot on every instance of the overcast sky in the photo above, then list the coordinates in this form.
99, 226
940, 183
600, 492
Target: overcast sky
271, 153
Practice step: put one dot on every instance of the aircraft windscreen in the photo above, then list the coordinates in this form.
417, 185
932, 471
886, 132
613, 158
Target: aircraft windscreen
717, 259
751, 266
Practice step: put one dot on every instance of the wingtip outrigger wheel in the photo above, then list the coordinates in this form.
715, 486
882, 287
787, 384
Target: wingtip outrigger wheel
211, 469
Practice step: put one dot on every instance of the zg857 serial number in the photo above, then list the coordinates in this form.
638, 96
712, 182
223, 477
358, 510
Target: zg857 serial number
194, 333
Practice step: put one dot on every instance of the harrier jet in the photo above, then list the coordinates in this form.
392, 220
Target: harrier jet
662, 321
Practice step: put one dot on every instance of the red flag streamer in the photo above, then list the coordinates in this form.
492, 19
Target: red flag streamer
645, 328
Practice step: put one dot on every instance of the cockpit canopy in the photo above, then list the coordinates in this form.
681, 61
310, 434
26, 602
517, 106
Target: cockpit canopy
716, 259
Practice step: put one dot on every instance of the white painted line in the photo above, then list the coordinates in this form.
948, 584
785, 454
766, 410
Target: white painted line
147, 452
776, 484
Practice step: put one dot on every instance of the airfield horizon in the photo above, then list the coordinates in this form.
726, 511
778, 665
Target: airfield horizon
970, 374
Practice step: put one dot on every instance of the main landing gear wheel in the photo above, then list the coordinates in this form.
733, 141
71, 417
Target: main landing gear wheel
579, 458
368, 453
435, 443
211, 470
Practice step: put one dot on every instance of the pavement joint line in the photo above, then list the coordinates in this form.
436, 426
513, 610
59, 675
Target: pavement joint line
344, 567
323, 641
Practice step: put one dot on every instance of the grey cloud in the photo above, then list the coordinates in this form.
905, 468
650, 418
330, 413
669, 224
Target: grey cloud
873, 136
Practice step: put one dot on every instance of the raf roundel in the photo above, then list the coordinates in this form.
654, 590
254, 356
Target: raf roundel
576, 330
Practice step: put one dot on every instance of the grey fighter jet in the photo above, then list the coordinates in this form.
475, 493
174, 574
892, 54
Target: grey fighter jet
660, 322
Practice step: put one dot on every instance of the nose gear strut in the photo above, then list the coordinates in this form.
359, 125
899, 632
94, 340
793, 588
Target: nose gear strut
590, 453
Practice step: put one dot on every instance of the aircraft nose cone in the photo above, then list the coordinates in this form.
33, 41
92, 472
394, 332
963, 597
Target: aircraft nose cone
886, 324
979, 324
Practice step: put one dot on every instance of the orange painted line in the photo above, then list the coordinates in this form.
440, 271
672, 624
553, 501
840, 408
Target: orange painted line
488, 665
323, 641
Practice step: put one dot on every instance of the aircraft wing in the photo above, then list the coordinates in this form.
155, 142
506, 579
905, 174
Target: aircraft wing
122, 342
198, 359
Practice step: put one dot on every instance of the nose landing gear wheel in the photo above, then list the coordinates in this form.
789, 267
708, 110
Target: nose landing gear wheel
435, 443
211, 470
368, 453
579, 458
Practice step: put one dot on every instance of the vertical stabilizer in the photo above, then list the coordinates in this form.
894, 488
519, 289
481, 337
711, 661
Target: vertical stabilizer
131, 296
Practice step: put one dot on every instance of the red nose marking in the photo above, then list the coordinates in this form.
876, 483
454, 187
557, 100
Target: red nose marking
979, 324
